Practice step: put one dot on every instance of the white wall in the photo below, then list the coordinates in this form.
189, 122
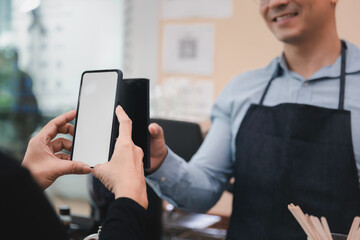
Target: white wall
141, 39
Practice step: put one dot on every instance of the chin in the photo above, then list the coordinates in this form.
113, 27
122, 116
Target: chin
289, 37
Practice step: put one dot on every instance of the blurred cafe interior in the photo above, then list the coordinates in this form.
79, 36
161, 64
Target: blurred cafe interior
189, 49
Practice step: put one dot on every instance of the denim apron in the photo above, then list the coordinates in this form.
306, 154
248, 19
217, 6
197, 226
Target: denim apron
294, 153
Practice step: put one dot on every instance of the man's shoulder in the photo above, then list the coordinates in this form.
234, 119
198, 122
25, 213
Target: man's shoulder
245, 87
353, 63
253, 78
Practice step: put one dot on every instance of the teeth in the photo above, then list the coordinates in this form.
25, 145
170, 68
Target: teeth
284, 17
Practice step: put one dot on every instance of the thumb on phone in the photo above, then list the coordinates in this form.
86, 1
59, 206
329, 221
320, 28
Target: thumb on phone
158, 150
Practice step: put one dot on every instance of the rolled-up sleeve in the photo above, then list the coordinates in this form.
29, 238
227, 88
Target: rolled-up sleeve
198, 184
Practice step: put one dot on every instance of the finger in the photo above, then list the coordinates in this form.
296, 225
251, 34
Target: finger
51, 128
67, 129
125, 125
59, 144
140, 153
63, 156
156, 131
73, 167
97, 170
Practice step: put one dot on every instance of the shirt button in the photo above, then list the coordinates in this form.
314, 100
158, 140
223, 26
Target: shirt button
306, 84
163, 179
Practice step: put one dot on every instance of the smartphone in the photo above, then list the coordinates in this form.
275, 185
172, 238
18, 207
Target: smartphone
96, 125
134, 99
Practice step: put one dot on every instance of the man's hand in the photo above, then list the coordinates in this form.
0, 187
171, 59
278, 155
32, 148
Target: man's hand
42, 156
158, 150
124, 174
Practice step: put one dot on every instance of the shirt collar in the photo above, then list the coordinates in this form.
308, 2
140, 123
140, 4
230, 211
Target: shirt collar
330, 71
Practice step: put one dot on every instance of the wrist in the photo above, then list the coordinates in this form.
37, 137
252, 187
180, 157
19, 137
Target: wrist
159, 160
140, 198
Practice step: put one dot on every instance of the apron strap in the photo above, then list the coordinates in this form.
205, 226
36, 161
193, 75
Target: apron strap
342, 75
276, 73
342, 78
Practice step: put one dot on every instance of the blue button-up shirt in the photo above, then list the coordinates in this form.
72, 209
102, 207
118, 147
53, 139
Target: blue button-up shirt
198, 184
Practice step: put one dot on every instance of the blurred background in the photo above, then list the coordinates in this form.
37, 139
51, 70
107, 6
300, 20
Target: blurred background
189, 49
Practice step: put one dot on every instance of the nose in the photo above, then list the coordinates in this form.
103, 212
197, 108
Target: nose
274, 3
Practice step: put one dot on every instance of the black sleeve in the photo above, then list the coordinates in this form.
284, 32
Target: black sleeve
25, 211
125, 220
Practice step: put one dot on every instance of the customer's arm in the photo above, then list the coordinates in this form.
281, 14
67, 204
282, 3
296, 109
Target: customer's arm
125, 219
124, 176
26, 213
196, 185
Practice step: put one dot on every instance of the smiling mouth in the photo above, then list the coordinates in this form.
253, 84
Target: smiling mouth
284, 17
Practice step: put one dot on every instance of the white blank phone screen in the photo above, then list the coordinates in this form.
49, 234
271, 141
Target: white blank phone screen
95, 117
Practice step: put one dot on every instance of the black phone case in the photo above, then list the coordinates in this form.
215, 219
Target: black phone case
115, 123
134, 99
